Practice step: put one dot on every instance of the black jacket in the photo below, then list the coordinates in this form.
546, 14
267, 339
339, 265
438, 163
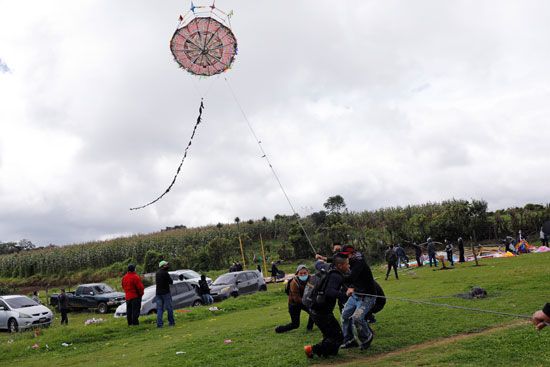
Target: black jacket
361, 278
63, 302
203, 287
163, 281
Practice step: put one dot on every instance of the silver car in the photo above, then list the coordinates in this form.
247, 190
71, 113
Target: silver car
188, 274
184, 294
21, 312
237, 283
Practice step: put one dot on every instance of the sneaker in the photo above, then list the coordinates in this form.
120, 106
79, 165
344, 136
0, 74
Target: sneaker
349, 344
367, 344
308, 350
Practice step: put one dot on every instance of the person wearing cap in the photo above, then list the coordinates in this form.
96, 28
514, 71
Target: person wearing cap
133, 291
296, 287
362, 298
163, 297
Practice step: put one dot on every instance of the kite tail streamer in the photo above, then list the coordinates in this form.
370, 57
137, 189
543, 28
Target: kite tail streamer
199, 119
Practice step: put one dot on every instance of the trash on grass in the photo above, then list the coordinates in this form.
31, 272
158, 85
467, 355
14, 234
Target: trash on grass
228, 341
180, 352
93, 321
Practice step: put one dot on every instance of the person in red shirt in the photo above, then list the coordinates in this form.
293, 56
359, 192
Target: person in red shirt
133, 287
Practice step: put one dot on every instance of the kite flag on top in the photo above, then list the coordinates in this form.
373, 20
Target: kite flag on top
204, 45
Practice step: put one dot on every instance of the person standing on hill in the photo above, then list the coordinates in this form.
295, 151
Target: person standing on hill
391, 259
461, 258
133, 292
449, 251
274, 272
323, 314
401, 256
418, 254
204, 291
163, 296
296, 287
35, 297
431, 252
63, 305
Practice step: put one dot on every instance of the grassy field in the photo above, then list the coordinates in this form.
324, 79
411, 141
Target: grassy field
406, 333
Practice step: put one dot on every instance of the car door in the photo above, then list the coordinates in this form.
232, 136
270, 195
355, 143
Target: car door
4, 315
188, 294
242, 283
177, 292
87, 298
253, 279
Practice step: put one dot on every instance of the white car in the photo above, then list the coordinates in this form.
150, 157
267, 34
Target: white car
21, 312
184, 294
188, 274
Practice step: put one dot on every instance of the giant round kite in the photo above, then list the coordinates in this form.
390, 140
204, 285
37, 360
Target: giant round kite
204, 46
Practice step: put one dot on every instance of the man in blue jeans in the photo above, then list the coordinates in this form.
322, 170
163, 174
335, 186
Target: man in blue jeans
360, 282
163, 297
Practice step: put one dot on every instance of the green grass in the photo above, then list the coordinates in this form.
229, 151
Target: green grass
518, 285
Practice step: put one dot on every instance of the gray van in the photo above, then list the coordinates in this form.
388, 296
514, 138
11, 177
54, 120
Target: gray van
237, 283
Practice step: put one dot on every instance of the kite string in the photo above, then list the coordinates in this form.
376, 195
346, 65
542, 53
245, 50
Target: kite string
446, 305
199, 119
264, 155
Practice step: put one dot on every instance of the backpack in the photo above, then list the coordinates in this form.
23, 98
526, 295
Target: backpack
314, 293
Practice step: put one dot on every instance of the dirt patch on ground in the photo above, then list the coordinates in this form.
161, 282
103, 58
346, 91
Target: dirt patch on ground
426, 345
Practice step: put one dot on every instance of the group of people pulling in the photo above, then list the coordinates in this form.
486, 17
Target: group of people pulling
344, 279
395, 255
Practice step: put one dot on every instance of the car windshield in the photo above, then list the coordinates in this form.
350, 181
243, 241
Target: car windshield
149, 293
20, 302
191, 274
225, 279
102, 288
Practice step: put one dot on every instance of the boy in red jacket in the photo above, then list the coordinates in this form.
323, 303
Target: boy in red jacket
133, 287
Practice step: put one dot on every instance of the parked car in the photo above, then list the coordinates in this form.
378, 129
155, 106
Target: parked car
184, 294
21, 312
188, 274
237, 283
96, 295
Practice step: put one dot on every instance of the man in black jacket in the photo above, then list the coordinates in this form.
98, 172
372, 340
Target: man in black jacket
163, 295
63, 304
322, 314
360, 283
418, 254
204, 291
461, 250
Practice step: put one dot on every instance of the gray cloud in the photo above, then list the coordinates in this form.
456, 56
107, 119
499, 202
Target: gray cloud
386, 103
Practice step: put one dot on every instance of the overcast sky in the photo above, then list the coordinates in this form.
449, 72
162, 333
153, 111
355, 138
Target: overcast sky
383, 102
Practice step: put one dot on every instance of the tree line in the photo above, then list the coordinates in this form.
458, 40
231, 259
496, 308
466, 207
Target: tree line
216, 246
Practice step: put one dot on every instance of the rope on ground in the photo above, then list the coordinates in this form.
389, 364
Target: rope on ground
264, 155
447, 305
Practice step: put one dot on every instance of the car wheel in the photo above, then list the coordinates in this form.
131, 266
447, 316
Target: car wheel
263, 288
235, 294
13, 327
197, 302
102, 308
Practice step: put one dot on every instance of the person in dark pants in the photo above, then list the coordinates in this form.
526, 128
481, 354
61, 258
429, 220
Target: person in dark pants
323, 315
449, 251
296, 285
418, 254
163, 296
461, 258
274, 272
391, 259
63, 305
133, 291
431, 252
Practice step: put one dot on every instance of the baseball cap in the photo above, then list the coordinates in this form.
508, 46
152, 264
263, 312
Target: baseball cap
163, 263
